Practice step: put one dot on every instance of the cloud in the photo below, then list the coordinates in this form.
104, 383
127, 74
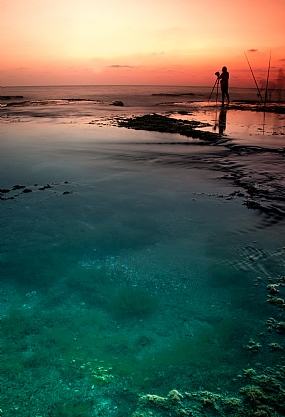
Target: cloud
281, 59
252, 50
22, 69
121, 66
157, 53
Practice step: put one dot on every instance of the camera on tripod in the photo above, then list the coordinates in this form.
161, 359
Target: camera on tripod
217, 74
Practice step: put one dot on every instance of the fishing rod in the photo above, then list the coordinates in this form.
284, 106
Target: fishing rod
267, 79
259, 94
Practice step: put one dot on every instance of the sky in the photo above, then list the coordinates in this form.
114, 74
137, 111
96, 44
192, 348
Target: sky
144, 42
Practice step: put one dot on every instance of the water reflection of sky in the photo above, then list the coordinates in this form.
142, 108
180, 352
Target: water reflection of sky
244, 126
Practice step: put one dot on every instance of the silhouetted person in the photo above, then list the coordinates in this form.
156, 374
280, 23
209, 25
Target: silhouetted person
224, 81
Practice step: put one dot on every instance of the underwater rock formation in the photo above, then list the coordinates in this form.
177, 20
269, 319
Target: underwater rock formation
264, 395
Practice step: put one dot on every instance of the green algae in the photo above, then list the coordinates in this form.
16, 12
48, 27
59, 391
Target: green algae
133, 302
36, 267
74, 408
91, 285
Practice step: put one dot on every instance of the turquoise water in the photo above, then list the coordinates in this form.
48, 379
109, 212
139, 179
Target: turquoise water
129, 270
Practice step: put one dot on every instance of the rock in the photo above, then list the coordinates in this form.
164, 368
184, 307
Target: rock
150, 404
18, 187
45, 187
117, 103
9, 97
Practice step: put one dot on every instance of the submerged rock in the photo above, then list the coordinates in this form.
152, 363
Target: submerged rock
263, 395
18, 187
150, 404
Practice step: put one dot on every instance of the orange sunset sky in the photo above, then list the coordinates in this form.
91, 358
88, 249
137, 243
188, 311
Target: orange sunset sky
166, 42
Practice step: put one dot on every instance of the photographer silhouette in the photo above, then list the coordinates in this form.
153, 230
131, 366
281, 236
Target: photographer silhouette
224, 81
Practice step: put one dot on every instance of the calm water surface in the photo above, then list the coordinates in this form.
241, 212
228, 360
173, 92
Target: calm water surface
127, 269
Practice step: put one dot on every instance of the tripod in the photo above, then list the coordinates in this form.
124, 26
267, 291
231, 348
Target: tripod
217, 92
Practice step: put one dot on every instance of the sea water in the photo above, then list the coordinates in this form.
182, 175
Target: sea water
131, 265
131, 95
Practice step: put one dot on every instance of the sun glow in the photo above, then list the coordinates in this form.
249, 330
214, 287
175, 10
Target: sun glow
186, 41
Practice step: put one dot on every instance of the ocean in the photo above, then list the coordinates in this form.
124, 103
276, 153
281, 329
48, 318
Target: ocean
142, 270
131, 95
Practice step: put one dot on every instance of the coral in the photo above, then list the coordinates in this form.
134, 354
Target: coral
174, 396
152, 400
275, 346
280, 326
148, 403
277, 301
272, 288
264, 397
274, 324
253, 394
94, 371
269, 384
249, 372
231, 404
253, 346
264, 412
210, 399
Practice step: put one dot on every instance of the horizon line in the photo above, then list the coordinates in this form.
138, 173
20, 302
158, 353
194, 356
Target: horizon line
114, 85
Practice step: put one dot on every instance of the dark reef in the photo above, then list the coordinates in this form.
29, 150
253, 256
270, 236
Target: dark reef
159, 123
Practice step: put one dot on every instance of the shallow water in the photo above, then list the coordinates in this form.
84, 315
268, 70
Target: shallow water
245, 127
129, 266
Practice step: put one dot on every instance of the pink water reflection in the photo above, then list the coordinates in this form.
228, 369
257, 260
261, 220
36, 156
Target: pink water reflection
246, 127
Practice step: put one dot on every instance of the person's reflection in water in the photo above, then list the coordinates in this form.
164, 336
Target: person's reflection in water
221, 123
223, 120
